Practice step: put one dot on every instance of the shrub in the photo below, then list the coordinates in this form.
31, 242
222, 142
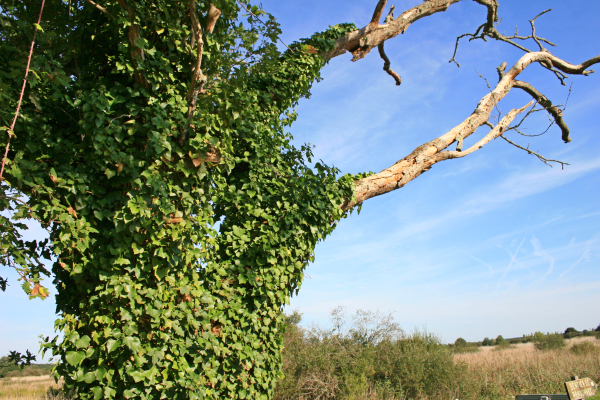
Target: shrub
571, 333
503, 346
460, 342
585, 348
371, 355
500, 340
554, 341
487, 342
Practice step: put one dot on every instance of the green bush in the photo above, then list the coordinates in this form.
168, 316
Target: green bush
585, 348
571, 333
487, 342
503, 346
370, 355
460, 342
550, 341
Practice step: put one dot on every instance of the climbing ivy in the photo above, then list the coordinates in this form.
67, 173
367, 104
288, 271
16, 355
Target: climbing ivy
175, 243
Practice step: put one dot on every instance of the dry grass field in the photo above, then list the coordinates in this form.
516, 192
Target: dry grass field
28, 388
521, 369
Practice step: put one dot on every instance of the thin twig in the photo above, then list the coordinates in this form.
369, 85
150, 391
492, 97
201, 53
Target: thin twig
12, 126
98, 6
539, 156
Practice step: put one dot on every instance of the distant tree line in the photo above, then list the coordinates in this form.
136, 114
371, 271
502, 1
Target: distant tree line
569, 333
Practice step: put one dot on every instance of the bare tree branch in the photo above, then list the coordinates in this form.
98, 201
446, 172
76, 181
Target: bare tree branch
547, 104
492, 134
386, 65
378, 12
362, 41
539, 156
424, 156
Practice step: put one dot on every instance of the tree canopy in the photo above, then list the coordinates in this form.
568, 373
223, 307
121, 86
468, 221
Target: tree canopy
152, 145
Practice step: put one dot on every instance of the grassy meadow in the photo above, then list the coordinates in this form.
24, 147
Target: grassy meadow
522, 369
320, 365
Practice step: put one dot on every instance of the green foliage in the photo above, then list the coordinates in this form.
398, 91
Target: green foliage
171, 266
487, 342
585, 348
571, 333
549, 341
338, 363
460, 342
500, 340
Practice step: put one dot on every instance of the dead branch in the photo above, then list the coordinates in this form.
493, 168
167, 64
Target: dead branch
378, 12
386, 65
362, 41
488, 30
426, 155
547, 104
539, 156
492, 134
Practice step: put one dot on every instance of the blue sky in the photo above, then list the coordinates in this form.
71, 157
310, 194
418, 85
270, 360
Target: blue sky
493, 243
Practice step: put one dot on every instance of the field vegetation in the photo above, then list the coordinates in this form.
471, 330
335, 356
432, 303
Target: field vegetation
368, 356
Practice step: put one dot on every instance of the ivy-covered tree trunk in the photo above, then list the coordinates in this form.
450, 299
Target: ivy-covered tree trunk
181, 216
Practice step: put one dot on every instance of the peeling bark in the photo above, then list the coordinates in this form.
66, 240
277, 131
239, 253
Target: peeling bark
362, 41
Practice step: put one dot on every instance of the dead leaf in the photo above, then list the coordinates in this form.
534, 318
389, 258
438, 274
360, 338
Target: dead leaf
216, 329
312, 50
53, 178
119, 167
72, 212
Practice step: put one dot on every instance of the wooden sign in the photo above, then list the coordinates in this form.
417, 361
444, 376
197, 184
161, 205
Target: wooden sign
581, 388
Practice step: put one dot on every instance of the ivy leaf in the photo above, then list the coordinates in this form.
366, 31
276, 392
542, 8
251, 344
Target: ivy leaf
97, 391
75, 357
100, 372
112, 344
83, 342
89, 377
109, 173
